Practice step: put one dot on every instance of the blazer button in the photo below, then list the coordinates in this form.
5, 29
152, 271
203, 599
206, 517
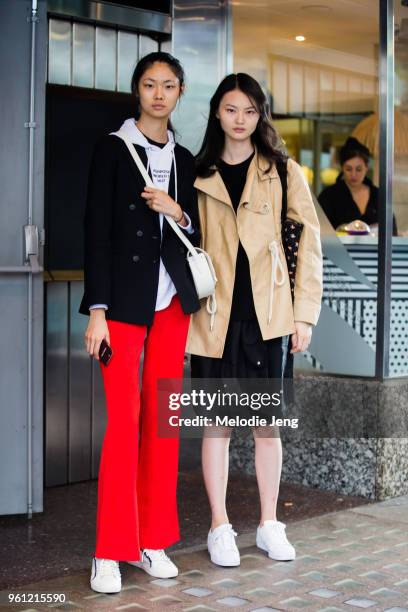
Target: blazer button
135, 258
155, 260
139, 233
132, 206
181, 249
155, 237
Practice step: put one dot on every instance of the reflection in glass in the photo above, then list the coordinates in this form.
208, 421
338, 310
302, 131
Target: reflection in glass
147, 45
201, 42
399, 302
127, 58
83, 55
320, 89
105, 59
59, 52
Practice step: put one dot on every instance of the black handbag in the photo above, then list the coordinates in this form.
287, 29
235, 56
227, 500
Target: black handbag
291, 234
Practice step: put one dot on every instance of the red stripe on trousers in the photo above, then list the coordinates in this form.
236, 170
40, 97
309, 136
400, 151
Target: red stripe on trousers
137, 505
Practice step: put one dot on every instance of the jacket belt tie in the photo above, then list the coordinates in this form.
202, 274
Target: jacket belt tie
211, 309
277, 273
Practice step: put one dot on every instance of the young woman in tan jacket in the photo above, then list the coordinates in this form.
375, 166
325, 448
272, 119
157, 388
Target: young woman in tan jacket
239, 200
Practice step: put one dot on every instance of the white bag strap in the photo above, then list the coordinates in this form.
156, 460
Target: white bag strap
121, 134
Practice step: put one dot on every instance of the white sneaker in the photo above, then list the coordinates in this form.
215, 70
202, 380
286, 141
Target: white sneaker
105, 576
156, 563
271, 537
221, 546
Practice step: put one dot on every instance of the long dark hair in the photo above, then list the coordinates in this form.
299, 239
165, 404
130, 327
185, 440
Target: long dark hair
147, 62
265, 137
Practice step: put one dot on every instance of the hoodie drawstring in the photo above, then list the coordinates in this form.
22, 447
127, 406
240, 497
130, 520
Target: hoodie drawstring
276, 267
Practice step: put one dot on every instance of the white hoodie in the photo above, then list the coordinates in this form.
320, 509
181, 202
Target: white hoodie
159, 163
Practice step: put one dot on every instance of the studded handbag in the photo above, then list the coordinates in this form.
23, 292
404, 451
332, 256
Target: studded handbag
291, 234
291, 229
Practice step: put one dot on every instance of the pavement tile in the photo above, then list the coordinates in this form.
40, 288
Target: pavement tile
384, 592
165, 582
199, 609
360, 602
318, 576
265, 609
325, 593
166, 600
307, 559
341, 567
296, 602
226, 583
259, 592
254, 574
362, 559
375, 576
396, 609
402, 584
197, 591
131, 606
233, 602
349, 583
287, 584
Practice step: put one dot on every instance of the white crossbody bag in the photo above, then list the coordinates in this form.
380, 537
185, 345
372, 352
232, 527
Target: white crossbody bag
201, 266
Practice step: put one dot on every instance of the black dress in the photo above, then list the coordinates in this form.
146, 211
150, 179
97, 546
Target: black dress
246, 354
340, 207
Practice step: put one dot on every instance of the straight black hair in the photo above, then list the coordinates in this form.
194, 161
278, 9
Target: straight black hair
147, 62
265, 137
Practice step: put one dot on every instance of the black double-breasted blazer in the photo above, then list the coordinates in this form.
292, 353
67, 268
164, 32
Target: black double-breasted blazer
123, 242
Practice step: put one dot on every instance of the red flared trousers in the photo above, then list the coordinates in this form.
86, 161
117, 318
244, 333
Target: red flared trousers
137, 505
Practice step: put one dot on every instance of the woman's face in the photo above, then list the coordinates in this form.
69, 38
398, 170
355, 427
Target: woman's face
354, 171
237, 114
159, 89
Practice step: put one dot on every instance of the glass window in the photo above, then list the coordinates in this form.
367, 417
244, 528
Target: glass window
319, 64
127, 58
83, 55
399, 297
147, 45
200, 41
105, 58
59, 52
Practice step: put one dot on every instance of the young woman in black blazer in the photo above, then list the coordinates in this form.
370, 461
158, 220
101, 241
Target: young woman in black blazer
139, 294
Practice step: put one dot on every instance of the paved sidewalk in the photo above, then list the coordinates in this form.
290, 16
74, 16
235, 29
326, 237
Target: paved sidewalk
349, 560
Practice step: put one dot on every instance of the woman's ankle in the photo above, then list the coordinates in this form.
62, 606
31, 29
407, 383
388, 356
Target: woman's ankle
218, 521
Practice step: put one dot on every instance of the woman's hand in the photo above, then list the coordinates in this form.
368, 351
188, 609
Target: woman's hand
96, 331
161, 202
302, 336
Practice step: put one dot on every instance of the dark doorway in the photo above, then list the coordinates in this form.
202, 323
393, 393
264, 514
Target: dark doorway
76, 119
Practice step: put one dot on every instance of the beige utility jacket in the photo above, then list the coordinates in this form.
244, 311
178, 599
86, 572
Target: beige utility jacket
257, 224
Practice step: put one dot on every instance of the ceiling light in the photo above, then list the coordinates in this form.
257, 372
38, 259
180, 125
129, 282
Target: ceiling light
300, 38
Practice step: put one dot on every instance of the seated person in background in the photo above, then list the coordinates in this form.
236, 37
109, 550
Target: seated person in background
353, 196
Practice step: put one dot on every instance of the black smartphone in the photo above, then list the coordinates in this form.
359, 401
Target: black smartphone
105, 353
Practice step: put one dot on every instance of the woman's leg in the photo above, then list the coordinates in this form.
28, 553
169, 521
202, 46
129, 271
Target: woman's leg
117, 527
215, 462
268, 466
158, 456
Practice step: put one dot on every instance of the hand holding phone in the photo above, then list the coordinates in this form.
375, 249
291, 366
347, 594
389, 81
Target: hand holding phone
105, 353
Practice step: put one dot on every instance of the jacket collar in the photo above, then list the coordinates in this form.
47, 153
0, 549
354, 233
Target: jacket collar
214, 185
